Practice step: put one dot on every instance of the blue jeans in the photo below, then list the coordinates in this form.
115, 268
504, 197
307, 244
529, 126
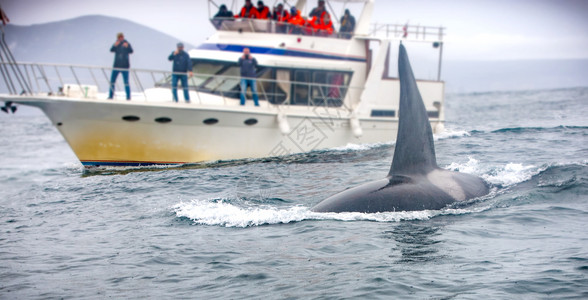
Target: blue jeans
125, 75
184, 80
249, 82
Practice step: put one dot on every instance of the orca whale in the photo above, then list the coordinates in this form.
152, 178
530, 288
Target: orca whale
414, 182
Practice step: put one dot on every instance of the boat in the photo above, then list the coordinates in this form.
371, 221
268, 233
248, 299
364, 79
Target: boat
317, 90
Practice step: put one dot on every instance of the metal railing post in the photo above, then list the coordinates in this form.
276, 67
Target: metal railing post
60, 79
44, 74
138, 83
6, 76
34, 76
73, 72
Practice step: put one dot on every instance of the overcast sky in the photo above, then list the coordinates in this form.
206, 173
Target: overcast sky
476, 29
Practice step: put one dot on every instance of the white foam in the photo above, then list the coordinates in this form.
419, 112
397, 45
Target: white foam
220, 213
512, 173
509, 174
449, 133
470, 167
73, 166
359, 147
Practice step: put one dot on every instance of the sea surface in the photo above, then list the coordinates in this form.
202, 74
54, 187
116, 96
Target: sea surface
244, 229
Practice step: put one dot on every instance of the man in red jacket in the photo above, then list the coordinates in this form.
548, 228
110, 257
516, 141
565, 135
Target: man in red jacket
263, 11
248, 11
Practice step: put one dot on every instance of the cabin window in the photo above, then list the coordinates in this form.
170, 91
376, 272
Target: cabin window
210, 121
250, 122
265, 86
203, 70
163, 120
276, 85
301, 89
282, 88
131, 118
329, 88
383, 113
320, 88
223, 81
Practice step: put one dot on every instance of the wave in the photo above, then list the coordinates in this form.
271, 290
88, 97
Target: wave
450, 133
507, 179
357, 147
501, 176
536, 129
223, 213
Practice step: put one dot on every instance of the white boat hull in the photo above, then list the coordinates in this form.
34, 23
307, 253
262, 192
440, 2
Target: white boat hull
99, 136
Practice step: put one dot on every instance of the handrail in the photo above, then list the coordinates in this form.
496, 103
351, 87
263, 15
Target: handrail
272, 26
388, 31
408, 32
56, 77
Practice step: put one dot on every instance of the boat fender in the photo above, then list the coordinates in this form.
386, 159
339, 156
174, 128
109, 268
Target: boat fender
439, 128
355, 126
283, 123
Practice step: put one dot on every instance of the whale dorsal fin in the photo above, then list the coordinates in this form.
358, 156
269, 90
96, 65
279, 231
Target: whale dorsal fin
415, 150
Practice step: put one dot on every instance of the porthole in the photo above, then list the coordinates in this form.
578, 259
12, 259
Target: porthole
210, 121
163, 120
131, 118
250, 122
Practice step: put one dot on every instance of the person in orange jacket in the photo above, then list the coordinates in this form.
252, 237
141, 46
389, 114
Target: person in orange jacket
296, 21
325, 25
281, 16
248, 11
263, 11
320, 19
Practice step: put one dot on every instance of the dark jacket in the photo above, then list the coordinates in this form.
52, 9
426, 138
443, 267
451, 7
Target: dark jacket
347, 24
182, 62
121, 55
248, 67
224, 14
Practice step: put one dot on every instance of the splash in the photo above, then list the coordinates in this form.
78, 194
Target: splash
360, 147
449, 133
472, 166
503, 176
223, 213
512, 173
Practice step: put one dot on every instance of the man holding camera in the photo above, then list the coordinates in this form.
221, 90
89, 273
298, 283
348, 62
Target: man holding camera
248, 74
182, 68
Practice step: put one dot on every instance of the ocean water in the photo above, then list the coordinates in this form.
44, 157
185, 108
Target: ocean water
244, 229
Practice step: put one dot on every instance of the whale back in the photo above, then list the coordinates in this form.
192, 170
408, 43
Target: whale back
414, 152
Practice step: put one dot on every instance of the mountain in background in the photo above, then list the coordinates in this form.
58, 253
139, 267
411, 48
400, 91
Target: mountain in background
87, 40
515, 75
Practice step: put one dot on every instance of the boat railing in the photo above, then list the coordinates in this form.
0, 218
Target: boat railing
407, 32
93, 82
272, 26
377, 30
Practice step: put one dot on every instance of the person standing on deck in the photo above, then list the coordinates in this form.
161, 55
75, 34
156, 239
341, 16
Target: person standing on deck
263, 11
248, 11
182, 65
296, 21
281, 16
121, 48
222, 15
347, 25
320, 19
248, 74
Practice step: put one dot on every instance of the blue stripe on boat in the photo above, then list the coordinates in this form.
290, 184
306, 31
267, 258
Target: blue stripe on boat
275, 51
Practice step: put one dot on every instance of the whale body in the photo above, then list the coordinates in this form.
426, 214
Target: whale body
414, 182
